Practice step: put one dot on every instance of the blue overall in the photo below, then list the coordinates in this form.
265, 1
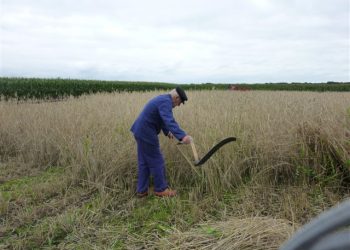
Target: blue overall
157, 115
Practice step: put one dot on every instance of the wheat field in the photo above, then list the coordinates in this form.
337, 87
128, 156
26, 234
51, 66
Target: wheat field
68, 171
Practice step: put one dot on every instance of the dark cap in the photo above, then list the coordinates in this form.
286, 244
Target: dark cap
182, 94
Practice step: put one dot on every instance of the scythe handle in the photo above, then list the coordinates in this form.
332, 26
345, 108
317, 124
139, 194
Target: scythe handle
194, 150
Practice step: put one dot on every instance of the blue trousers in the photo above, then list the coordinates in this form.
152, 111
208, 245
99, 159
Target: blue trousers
150, 162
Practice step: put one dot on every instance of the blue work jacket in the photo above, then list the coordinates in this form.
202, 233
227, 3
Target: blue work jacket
157, 115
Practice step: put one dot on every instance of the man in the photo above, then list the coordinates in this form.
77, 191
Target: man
157, 115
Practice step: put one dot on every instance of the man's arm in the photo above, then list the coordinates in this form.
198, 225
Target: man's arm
169, 123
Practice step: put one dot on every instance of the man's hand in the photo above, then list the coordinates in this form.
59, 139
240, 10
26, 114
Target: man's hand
187, 139
170, 135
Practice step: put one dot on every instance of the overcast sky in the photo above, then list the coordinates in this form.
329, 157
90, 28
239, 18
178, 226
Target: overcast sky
182, 41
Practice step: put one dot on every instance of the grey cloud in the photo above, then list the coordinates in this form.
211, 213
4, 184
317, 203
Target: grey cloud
182, 41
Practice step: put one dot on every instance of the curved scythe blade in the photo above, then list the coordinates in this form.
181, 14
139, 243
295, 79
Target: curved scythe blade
213, 150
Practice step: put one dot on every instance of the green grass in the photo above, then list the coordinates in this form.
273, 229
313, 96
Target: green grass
150, 217
113, 221
30, 188
25, 182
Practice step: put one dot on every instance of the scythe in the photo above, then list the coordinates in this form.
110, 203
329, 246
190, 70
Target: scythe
197, 161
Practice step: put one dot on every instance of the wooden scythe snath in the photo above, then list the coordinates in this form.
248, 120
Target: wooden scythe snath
197, 161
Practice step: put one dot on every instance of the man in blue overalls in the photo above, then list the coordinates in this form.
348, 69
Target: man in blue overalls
157, 115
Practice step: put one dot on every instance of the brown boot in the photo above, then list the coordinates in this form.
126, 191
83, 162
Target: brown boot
166, 193
141, 195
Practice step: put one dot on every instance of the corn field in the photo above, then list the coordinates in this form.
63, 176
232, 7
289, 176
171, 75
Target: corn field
22, 89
